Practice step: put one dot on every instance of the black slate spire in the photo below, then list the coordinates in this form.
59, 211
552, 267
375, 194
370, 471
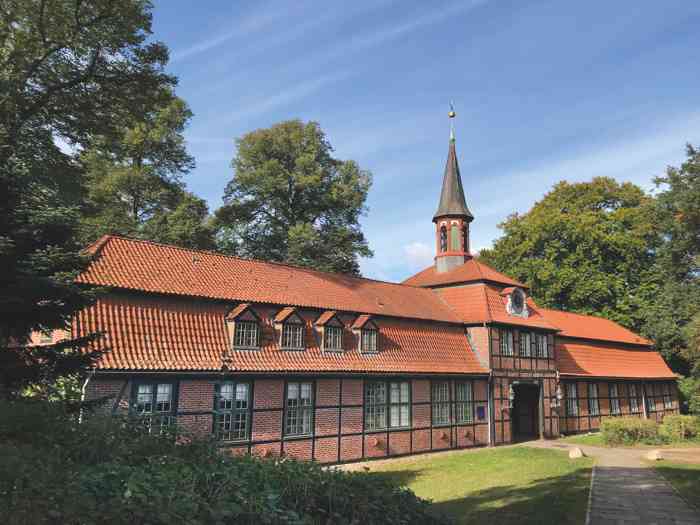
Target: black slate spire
452, 201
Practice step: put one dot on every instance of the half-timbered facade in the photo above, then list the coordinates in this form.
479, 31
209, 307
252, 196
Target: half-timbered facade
279, 360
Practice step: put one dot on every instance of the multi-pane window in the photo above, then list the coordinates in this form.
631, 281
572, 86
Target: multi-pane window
541, 346
593, 403
399, 405
292, 335
614, 399
464, 402
649, 399
525, 344
375, 405
154, 404
633, 398
668, 398
298, 409
441, 403
571, 400
369, 340
246, 334
332, 338
506, 342
387, 405
231, 411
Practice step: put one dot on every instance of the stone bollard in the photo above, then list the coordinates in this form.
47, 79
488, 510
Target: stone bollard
576, 453
654, 455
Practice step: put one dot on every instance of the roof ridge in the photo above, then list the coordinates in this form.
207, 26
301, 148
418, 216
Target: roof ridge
582, 315
106, 238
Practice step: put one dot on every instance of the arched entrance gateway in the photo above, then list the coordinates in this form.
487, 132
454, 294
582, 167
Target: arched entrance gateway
527, 409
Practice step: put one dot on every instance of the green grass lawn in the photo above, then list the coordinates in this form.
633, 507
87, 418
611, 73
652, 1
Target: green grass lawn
509, 485
684, 477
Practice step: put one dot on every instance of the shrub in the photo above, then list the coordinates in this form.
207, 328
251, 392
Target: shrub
629, 431
689, 390
55, 470
680, 428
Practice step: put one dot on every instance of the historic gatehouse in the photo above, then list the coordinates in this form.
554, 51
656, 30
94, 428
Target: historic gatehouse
274, 359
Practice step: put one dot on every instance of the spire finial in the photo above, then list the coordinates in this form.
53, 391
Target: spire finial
452, 115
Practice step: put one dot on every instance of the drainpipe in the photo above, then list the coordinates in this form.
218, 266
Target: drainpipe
644, 401
489, 399
82, 395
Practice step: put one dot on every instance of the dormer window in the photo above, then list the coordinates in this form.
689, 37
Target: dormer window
246, 334
333, 338
369, 340
244, 328
516, 305
368, 334
291, 326
331, 328
292, 335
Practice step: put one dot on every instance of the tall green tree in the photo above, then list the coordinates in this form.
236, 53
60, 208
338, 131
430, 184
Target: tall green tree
70, 71
672, 314
134, 181
291, 201
585, 247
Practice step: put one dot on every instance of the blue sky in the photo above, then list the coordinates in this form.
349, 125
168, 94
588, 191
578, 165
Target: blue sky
544, 91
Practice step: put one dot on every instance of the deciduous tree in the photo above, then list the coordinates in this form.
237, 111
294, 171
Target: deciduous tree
291, 201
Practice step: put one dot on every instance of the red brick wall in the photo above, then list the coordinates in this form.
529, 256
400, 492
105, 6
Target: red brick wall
586, 422
338, 419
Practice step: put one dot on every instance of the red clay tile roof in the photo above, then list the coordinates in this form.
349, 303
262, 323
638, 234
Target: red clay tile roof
284, 313
152, 267
471, 271
481, 303
591, 327
152, 332
591, 359
325, 317
361, 321
238, 310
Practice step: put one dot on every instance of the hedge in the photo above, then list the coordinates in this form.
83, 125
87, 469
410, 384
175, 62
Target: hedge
54, 469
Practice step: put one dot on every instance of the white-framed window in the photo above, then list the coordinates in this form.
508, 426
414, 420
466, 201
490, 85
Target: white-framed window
232, 411
246, 334
541, 345
387, 405
333, 338
298, 409
399, 405
464, 402
441, 402
649, 398
571, 399
506, 342
525, 344
154, 405
593, 403
633, 396
614, 399
369, 337
292, 335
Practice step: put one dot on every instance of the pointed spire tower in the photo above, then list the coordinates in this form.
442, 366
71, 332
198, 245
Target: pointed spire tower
452, 217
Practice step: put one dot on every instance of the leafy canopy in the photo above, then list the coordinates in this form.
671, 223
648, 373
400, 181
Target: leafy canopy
70, 72
584, 247
291, 201
134, 181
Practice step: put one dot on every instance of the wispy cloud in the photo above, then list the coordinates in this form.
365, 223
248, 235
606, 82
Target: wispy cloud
261, 105
248, 25
390, 32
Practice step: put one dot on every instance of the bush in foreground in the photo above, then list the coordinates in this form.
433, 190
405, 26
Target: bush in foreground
55, 470
630, 431
680, 428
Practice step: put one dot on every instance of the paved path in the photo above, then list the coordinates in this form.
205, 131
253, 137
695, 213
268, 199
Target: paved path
624, 490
